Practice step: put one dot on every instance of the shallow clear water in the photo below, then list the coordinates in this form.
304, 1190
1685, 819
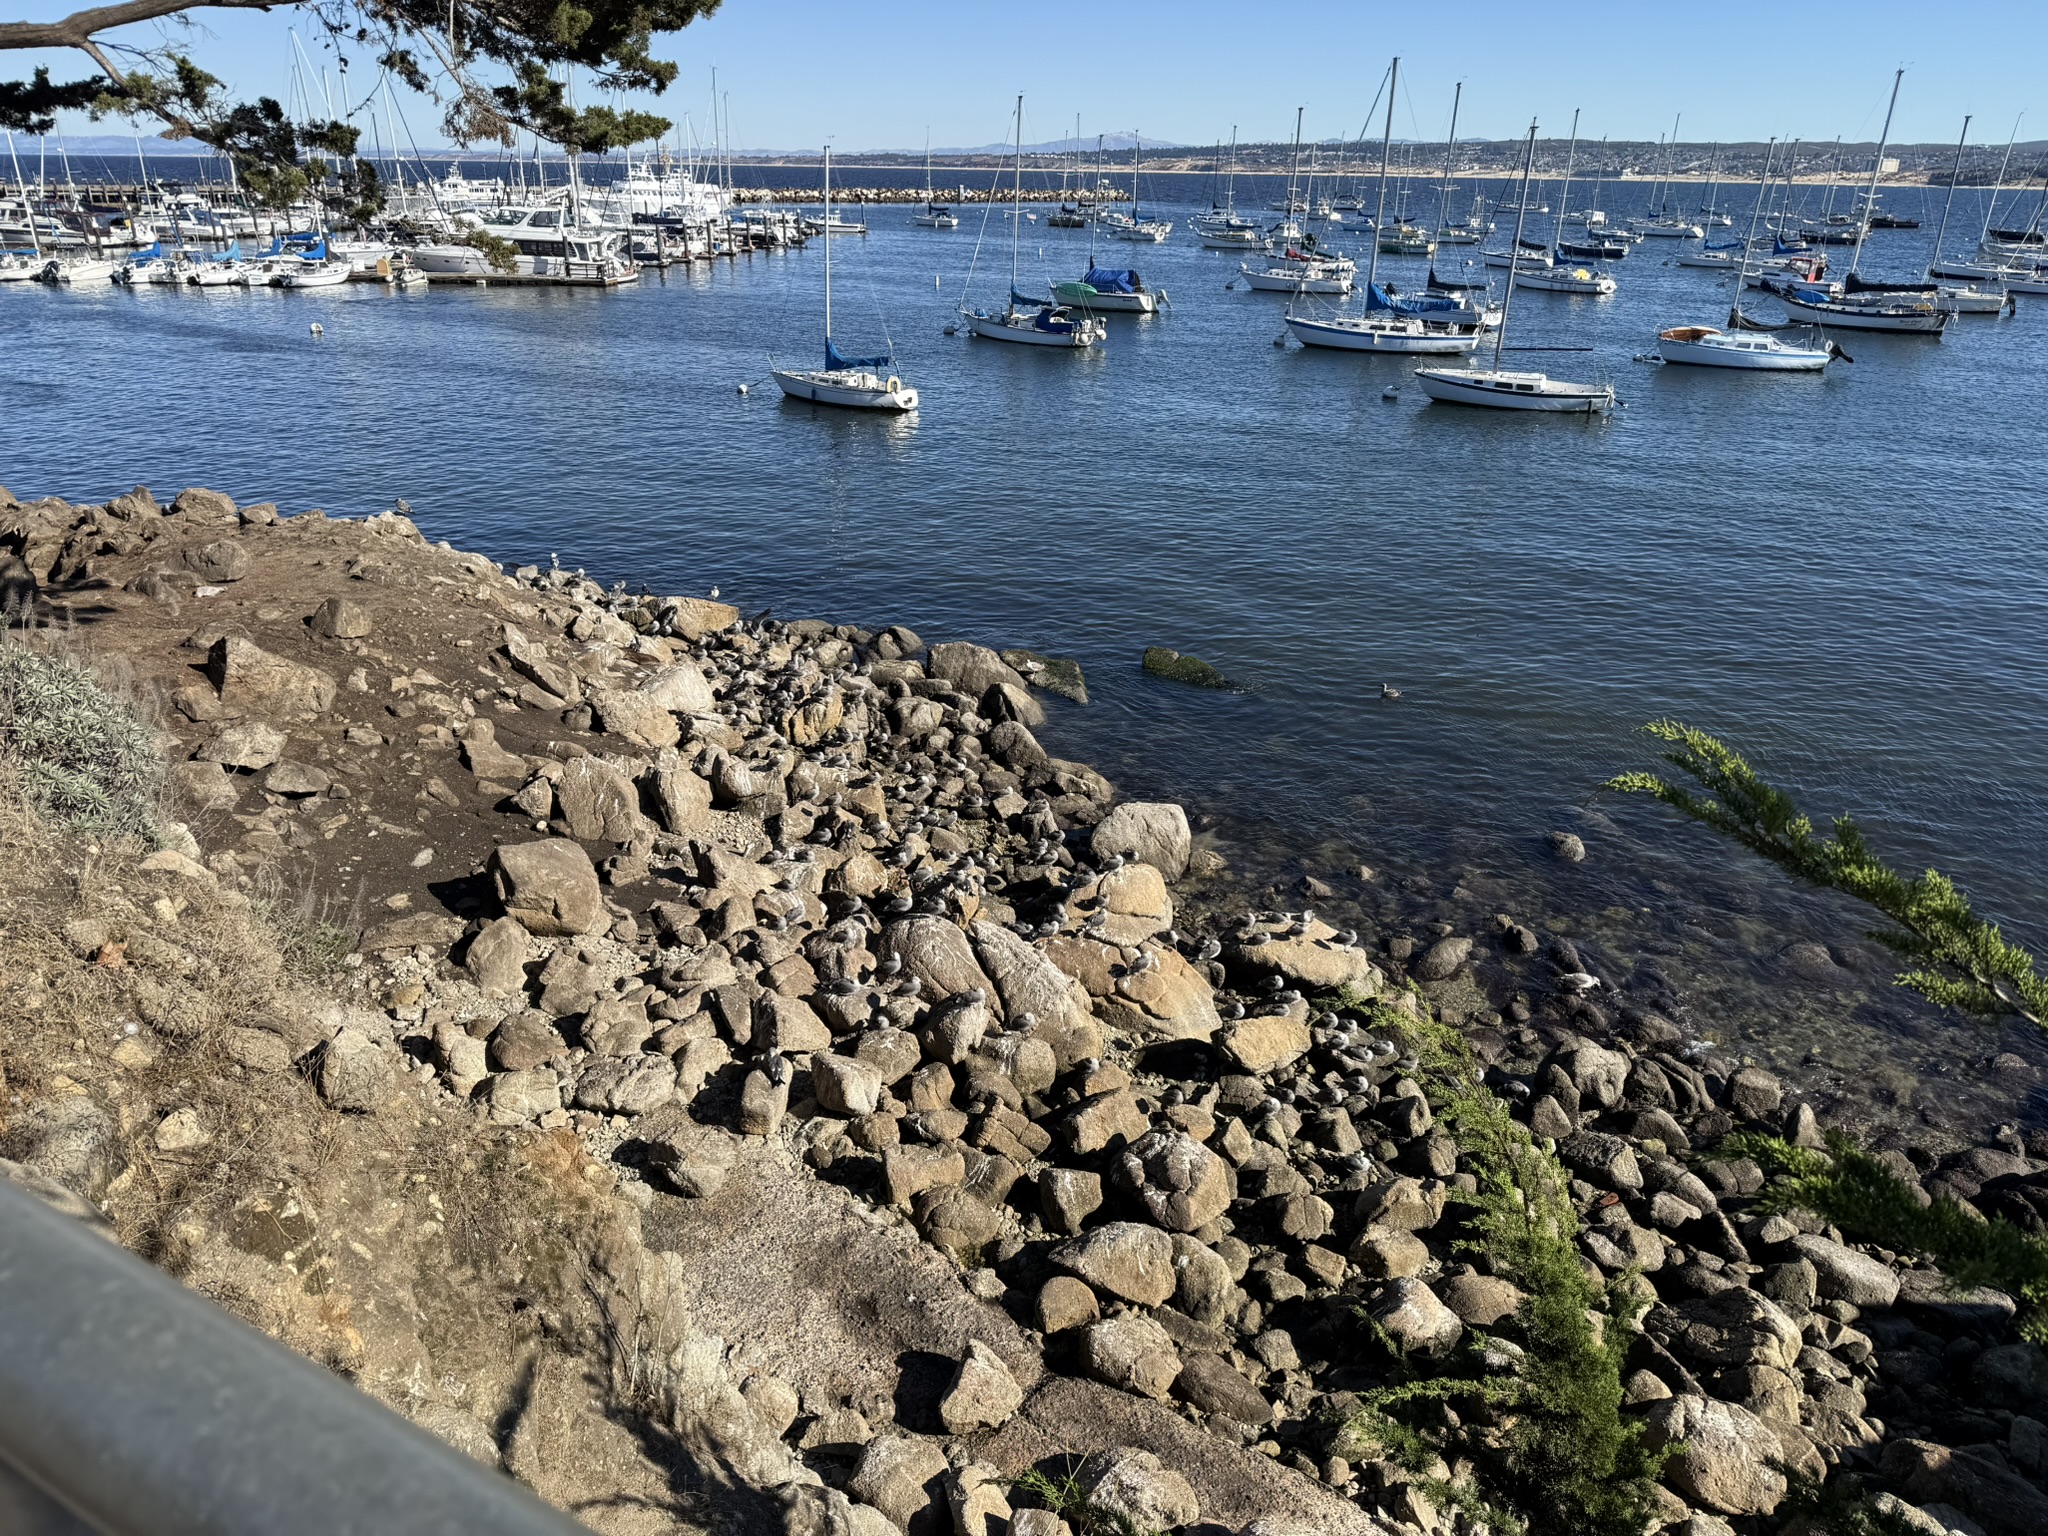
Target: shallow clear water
1845, 576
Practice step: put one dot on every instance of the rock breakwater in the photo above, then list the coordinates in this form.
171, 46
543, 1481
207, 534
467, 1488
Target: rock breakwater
855, 991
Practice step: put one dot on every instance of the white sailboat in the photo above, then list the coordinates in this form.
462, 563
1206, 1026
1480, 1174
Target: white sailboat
1559, 278
1307, 270
934, 214
1874, 307
1382, 328
1499, 389
1133, 226
1221, 229
847, 381
1109, 290
1706, 346
1031, 322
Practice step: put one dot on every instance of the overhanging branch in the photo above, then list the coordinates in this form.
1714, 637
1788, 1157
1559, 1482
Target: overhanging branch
79, 28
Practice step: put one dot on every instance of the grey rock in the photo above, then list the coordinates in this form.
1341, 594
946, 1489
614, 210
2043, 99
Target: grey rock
249, 745
1415, 1319
937, 953
1125, 1258
496, 957
519, 1097
845, 1086
222, 561
1131, 1352
695, 1164
899, 1475
1724, 1457
2011, 1376
630, 1085
1138, 1486
1843, 1274
550, 887
983, 1394
1067, 1197
1152, 832
1568, 846
249, 677
1442, 960
1600, 1075
1216, 1386
1481, 1300
340, 619
1755, 1094
354, 1073
1734, 1328
1181, 1183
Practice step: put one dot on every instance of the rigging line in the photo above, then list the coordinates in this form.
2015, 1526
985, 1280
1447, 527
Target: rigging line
987, 210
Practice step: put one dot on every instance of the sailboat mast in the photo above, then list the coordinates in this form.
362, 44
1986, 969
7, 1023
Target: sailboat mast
1564, 192
34, 236
1876, 170
1671, 162
1443, 207
1017, 201
828, 255
1294, 166
1955, 173
1515, 251
1372, 270
1134, 176
1999, 186
1756, 212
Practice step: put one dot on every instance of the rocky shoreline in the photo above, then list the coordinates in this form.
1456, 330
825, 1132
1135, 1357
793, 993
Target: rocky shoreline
734, 901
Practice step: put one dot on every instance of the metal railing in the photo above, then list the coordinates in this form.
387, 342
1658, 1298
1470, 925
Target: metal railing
129, 1406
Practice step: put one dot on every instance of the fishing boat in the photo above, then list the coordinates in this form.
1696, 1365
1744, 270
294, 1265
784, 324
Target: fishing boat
854, 382
1031, 322
935, 214
1404, 240
1497, 389
1384, 327
21, 266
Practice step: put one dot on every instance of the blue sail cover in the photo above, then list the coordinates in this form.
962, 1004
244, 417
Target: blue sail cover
834, 359
1429, 304
1104, 280
1780, 248
150, 252
1028, 301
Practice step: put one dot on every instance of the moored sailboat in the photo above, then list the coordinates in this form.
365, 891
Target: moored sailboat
854, 382
1031, 322
1499, 389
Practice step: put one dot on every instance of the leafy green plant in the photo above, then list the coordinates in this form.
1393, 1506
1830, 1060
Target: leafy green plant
1957, 959
1856, 1192
1562, 1460
1065, 1497
501, 254
85, 759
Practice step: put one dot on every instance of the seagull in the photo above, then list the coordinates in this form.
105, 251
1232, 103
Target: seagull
743, 389
1389, 691
1578, 981
1348, 938
1209, 951
714, 591
318, 329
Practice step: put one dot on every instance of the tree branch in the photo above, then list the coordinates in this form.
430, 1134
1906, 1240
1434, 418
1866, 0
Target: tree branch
77, 29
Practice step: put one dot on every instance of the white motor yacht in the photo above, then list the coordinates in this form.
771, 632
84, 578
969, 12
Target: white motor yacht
80, 271
544, 246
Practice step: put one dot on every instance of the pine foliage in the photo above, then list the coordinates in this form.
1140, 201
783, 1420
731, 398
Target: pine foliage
1560, 1459
84, 759
1853, 1190
1955, 959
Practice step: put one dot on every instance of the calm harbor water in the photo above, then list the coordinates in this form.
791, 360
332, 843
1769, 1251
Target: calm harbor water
1845, 576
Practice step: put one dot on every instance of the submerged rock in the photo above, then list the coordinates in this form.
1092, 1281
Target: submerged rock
1173, 666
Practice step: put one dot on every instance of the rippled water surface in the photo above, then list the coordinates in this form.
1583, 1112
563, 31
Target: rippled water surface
1845, 575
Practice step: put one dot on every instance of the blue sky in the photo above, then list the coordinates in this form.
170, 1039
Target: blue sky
872, 77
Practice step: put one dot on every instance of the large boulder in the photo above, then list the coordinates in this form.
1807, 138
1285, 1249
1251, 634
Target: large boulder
1027, 982
637, 716
681, 687
1733, 1328
550, 887
899, 1475
1180, 1182
982, 1394
1153, 832
1130, 1351
598, 801
1416, 1320
973, 669
220, 562
249, 677
1136, 1485
1124, 1258
1843, 1274
938, 954
1313, 960
496, 957
353, 1072
681, 799
1724, 1456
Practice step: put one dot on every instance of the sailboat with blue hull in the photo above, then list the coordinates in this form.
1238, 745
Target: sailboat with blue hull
859, 383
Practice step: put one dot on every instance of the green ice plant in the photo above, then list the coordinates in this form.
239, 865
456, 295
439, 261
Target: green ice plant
1955, 959
1564, 1460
